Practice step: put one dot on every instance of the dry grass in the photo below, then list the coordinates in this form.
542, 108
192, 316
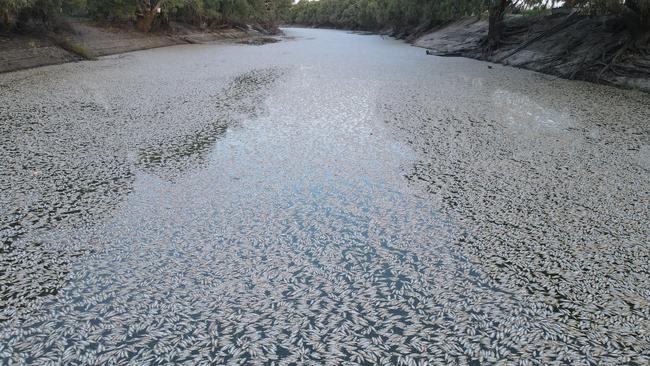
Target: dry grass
72, 47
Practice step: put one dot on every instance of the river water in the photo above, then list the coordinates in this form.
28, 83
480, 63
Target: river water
333, 198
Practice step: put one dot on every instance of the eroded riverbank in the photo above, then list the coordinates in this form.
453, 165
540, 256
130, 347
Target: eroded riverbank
331, 198
571, 46
88, 40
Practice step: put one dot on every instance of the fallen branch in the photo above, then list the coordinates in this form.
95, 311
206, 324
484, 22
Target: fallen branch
444, 54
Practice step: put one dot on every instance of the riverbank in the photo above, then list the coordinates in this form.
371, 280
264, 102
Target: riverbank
562, 42
570, 46
88, 40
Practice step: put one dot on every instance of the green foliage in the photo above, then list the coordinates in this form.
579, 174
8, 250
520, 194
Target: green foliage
199, 12
372, 14
111, 10
366, 14
19, 12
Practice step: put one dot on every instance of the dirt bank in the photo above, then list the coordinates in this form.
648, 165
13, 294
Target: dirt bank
572, 46
86, 40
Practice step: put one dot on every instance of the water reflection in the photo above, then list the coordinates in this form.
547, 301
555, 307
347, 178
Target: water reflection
524, 114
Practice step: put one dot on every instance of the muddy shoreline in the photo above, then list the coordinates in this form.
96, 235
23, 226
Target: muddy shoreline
571, 46
88, 40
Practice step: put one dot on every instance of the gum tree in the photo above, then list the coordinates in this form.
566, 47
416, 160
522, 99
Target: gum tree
147, 10
497, 11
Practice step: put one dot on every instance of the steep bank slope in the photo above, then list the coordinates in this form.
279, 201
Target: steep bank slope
87, 40
572, 46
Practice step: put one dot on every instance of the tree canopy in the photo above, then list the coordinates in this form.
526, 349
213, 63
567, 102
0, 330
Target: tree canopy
16, 13
372, 14
362, 14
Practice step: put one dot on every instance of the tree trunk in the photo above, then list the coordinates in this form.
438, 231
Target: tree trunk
6, 21
145, 23
148, 11
496, 13
641, 11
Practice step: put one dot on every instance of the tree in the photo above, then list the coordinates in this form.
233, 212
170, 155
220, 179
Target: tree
15, 13
111, 10
408, 15
147, 10
495, 18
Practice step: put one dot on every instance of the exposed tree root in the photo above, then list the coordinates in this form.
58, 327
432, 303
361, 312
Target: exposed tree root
567, 22
605, 50
612, 62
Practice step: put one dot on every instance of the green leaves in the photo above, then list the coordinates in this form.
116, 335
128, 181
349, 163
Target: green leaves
375, 13
371, 14
111, 9
198, 12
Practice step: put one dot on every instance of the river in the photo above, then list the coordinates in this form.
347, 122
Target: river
331, 198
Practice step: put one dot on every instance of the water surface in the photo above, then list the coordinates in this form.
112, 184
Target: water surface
333, 198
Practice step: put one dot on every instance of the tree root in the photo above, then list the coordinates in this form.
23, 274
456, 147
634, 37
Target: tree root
567, 22
612, 62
